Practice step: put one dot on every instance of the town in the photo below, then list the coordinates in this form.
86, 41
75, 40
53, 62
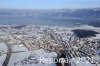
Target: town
23, 45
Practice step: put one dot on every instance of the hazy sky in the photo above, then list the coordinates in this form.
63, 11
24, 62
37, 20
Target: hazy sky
48, 4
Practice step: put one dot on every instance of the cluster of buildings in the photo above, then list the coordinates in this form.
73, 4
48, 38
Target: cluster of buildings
50, 39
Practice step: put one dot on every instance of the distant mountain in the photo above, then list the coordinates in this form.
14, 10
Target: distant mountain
95, 24
54, 14
62, 15
74, 14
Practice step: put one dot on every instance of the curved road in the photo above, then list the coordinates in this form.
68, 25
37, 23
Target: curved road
8, 55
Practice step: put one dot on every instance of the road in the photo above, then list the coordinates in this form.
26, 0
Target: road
8, 55
65, 52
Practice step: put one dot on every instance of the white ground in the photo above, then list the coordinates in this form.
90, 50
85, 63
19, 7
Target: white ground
3, 48
16, 48
79, 62
2, 58
17, 57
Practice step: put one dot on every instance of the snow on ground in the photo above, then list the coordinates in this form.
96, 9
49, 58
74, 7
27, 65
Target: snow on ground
2, 59
97, 36
42, 53
3, 47
19, 58
16, 48
85, 27
97, 57
81, 62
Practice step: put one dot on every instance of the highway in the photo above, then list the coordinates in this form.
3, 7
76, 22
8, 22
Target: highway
8, 55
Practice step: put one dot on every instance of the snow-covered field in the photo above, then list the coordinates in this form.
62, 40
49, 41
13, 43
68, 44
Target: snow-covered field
81, 62
17, 48
2, 59
23, 58
3, 49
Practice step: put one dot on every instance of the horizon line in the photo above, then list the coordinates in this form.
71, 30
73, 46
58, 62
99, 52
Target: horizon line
46, 8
